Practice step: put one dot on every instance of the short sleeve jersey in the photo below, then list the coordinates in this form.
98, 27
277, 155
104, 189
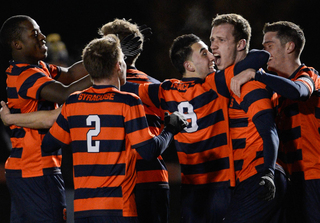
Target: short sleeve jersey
103, 125
298, 124
150, 174
204, 146
246, 141
24, 84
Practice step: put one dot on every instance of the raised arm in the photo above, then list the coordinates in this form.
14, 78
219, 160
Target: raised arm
35, 120
58, 92
72, 73
301, 89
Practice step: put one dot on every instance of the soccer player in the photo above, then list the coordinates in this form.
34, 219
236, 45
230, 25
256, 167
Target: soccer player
152, 188
33, 85
261, 183
204, 147
104, 125
298, 104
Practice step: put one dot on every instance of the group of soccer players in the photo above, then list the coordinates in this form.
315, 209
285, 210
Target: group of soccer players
240, 145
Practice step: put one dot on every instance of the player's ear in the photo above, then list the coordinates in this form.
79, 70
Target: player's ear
290, 47
188, 66
118, 66
16, 44
241, 45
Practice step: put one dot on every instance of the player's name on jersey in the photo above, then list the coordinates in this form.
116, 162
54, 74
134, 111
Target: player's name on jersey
100, 97
181, 86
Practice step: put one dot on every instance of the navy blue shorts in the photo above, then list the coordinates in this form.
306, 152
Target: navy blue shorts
152, 205
245, 207
37, 199
204, 203
303, 201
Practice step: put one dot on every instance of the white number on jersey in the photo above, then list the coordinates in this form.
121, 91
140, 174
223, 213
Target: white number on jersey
186, 109
93, 120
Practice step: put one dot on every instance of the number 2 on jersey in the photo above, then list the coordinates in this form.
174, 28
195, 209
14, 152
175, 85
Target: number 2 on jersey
95, 121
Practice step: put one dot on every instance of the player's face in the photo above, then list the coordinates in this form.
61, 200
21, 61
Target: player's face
33, 42
273, 45
201, 59
123, 70
223, 45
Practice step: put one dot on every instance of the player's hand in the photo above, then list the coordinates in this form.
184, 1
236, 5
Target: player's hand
267, 181
175, 122
131, 45
240, 79
4, 112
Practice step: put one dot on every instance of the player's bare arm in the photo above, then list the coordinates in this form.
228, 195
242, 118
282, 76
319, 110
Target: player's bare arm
72, 73
35, 120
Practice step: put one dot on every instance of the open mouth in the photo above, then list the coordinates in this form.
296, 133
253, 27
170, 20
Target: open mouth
217, 59
211, 67
43, 47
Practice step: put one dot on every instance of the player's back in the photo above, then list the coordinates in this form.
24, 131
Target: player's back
104, 127
204, 147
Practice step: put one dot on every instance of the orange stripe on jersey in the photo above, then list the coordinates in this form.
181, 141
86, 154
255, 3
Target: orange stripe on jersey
115, 133
96, 182
47, 161
202, 157
98, 204
151, 176
211, 177
103, 158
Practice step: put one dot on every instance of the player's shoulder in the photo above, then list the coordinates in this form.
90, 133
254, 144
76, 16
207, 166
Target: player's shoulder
128, 98
304, 70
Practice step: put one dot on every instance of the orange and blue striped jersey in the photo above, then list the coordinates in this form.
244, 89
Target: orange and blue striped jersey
247, 142
150, 174
24, 84
204, 147
298, 124
103, 126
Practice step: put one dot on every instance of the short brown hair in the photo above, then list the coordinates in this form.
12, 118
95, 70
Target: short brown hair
122, 28
242, 28
287, 32
101, 55
181, 50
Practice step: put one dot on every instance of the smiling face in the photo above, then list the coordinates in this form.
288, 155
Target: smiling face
201, 60
223, 45
273, 45
32, 46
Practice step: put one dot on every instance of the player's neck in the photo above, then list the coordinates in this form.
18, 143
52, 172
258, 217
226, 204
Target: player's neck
193, 75
289, 67
114, 82
22, 59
